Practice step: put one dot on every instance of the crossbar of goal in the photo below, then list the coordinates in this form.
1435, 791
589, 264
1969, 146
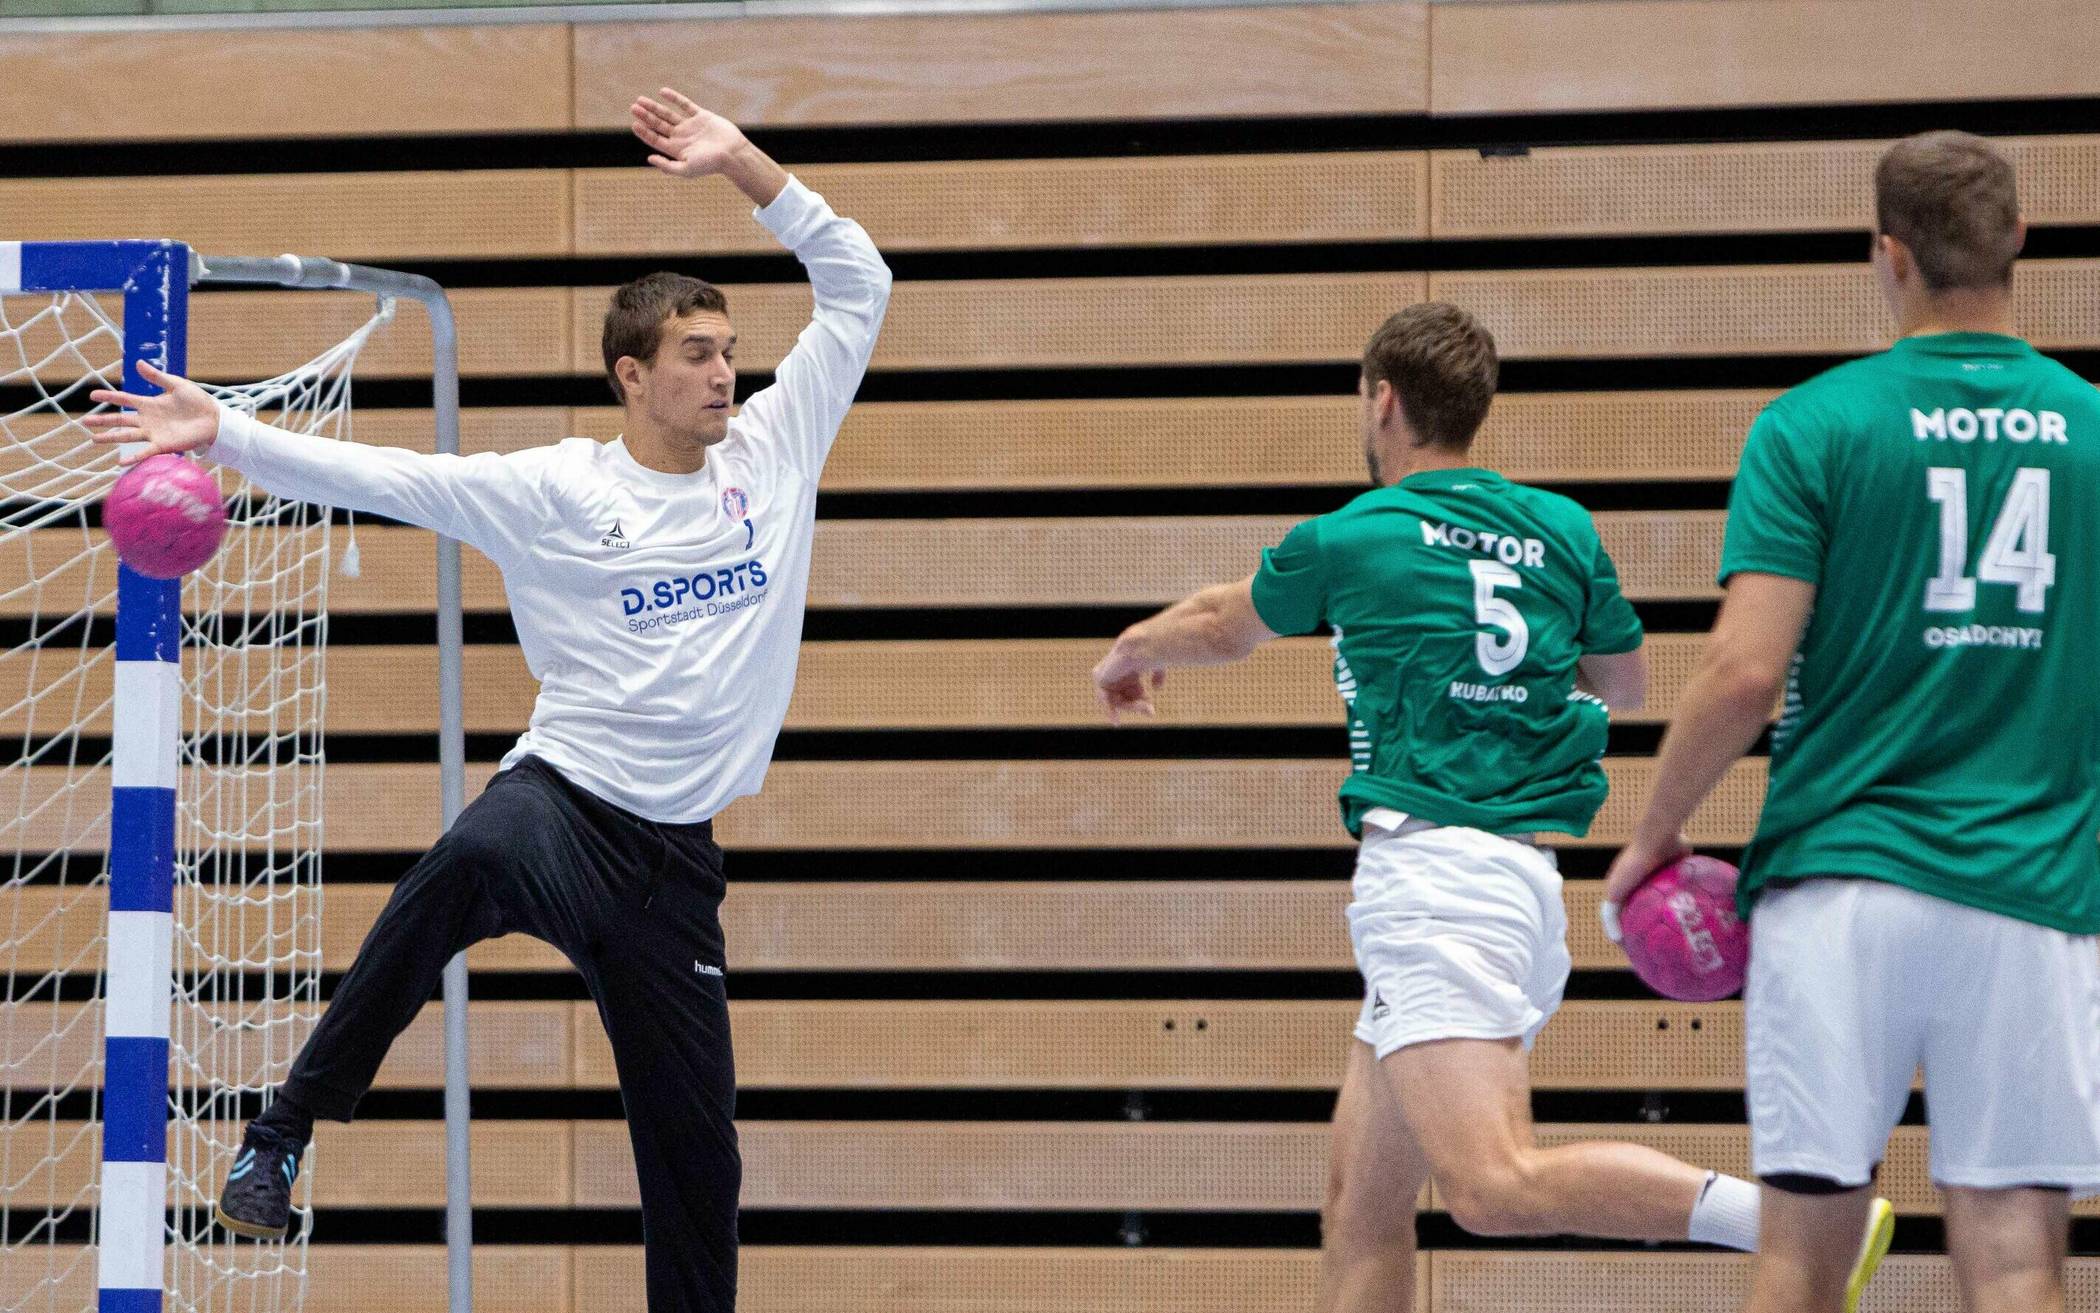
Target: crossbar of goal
154, 279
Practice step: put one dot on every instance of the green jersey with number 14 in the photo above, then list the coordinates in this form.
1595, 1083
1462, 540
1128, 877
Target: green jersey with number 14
1460, 603
1941, 728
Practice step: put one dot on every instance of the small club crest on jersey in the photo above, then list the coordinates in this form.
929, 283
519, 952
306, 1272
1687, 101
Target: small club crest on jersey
615, 537
736, 504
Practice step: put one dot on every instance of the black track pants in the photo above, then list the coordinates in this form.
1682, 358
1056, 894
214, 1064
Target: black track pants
635, 905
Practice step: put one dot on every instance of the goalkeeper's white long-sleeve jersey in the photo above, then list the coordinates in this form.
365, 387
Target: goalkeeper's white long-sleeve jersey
661, 613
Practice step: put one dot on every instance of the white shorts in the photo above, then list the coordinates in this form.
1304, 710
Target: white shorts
1856, 984
1460, 934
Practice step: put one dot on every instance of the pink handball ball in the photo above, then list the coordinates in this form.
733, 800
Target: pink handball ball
1681, 932
165, 516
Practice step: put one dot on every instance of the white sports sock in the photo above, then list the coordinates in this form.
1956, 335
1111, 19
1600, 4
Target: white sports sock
1726, 1213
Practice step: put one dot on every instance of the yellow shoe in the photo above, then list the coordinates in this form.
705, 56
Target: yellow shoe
1881, 1228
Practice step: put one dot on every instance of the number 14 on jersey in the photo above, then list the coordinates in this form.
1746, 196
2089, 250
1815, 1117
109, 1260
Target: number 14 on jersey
2016, 553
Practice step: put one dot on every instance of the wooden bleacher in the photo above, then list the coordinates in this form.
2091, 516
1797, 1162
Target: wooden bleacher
1061, 325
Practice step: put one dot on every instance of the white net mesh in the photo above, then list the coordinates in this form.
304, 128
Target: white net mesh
247, 950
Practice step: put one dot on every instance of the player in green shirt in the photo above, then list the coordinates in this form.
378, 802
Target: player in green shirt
1911, 558
1478, 629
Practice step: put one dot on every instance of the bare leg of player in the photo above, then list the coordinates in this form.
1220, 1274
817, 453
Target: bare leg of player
1808, 1248
2008, 1248
1468, 1102
1375, 1173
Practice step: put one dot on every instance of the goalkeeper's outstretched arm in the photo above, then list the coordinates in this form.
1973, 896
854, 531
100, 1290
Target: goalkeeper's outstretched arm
481, 500
801, 413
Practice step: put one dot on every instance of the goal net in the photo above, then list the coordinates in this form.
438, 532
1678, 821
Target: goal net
245, 961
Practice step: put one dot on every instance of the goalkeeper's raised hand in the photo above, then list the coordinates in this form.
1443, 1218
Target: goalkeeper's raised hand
182, 418
691, 142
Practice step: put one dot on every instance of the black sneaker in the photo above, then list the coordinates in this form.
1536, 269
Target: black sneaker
257, 1200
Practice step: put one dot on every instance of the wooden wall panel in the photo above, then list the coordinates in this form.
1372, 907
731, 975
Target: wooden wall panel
1737, 187
1034, 322
990, 68
812, 805
368, 217
1552, 55
1202, 1166
1155, 1278
411, 1279
1535, 1282
244, 336
481, 428
1211, 1044
903, 446
1791, 309
1111, 804
1114, 922
1181, 200
996, 1165
1146, 561
966, 1044
1313, 318
1019, 1279
949, 563
1564, 437
909, 684
1618, 437
340, 1278
284, 82
367, 1164
1051, 1166
1031, 683
45, 1045
1561, 437
932, 1044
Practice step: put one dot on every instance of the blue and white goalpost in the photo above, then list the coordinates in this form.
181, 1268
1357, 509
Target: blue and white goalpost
206, 798
146, 727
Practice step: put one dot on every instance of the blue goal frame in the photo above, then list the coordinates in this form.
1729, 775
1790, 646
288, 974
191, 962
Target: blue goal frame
154, 280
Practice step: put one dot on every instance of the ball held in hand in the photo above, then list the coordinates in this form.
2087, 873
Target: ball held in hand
1681, 932
165, 516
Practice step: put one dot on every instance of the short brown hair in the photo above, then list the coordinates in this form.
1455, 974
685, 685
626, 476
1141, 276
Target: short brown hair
1951, 199
1442, 364
634, 323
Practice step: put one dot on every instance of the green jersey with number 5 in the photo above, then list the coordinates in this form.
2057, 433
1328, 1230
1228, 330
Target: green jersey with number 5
1941, 728
1460, 603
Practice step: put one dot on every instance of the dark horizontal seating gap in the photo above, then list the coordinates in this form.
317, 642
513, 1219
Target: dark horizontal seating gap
1167, 1230
1103, 742
1018, 865
1430, 255
1190, 985
1003, 865
1117, 382
1123, 382
821, 625
866, 143
568, 986
1606, 1112
1605, 493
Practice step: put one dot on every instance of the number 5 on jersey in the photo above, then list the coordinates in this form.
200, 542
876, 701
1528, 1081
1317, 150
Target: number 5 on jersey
2017, 552
1499, 654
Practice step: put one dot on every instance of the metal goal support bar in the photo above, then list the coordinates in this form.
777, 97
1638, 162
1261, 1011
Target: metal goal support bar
308, 272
